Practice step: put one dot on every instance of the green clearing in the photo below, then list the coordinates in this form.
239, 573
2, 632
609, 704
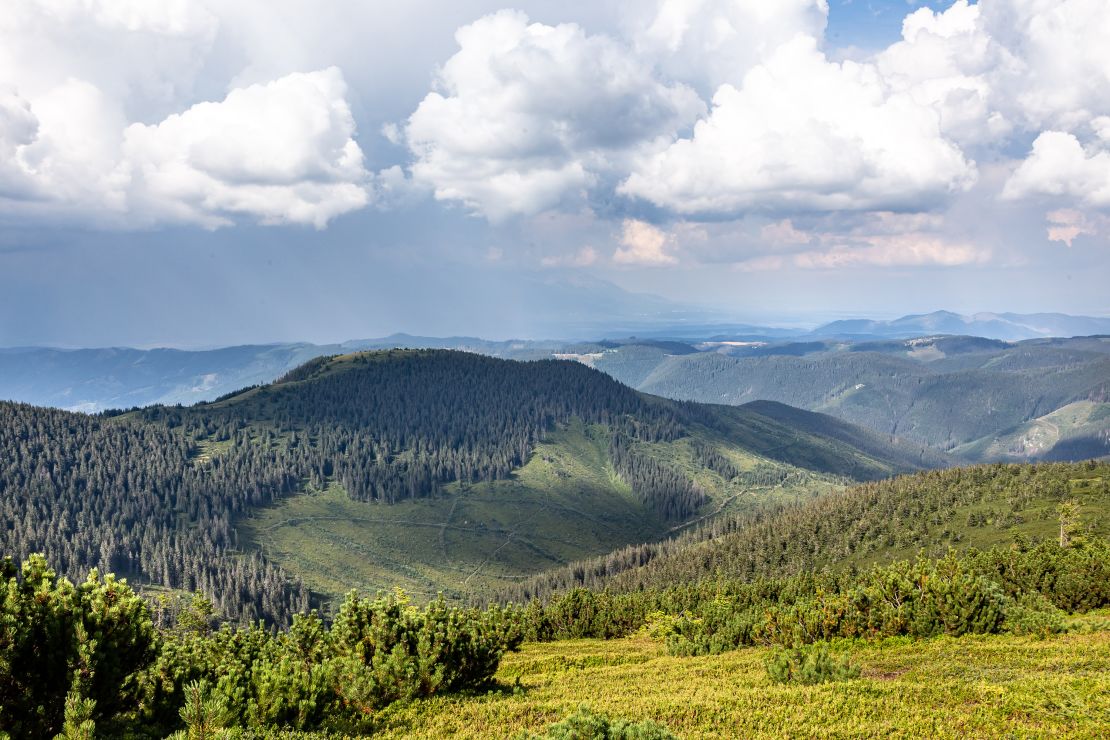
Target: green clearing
565, 504
981, 686
206, 449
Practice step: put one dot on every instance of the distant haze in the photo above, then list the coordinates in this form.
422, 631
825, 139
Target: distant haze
93, 379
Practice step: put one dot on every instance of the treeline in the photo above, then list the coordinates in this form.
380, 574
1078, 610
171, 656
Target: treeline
900, 514
711, 458
660, 487
86, 660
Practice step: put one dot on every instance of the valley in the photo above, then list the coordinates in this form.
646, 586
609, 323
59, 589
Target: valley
431, 470
567, 502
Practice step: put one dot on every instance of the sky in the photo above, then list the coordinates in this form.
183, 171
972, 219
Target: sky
209, 172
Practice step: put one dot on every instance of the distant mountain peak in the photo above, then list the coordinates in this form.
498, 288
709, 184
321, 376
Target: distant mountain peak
1005, 326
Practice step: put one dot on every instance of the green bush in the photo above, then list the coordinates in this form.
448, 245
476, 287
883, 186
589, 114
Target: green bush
919, 599
79, 661
1034, 615
1075, 578
587, 725
387, 650
377, 651
809, 666
206, 717
70, 656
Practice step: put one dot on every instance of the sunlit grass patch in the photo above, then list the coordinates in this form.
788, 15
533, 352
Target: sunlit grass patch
984, 686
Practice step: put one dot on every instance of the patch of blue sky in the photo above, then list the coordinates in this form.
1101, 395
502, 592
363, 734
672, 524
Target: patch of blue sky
870, 25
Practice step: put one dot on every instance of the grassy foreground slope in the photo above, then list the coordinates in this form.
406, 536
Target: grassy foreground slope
974, 686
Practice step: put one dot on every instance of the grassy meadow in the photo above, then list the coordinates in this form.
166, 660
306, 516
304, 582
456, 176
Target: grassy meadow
972, 686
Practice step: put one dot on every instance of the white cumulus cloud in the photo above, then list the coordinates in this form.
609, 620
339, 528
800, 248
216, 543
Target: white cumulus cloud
1058, 165
1055, 67
528, 114
711, 42
18, 128
946, 60
99, 122
282, 152
804, 133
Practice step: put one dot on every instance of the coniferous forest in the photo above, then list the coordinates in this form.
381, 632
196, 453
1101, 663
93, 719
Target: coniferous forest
134, 493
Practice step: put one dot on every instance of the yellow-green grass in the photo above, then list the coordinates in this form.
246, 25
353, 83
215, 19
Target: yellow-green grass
981, 686
566, 503
736, 496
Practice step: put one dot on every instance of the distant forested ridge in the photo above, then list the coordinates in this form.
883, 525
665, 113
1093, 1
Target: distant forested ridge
964, 395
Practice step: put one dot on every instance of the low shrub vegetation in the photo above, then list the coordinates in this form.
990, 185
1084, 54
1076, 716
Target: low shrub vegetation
1024, 588
94, 659
75, 660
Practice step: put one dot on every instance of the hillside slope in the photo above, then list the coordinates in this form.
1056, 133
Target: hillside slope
601, 467
873, 523
989, 686
1077, 430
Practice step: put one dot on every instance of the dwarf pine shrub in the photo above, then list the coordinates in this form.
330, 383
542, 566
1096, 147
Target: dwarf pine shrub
70, 655
1034, 615
809, 666
585, 724
85, 660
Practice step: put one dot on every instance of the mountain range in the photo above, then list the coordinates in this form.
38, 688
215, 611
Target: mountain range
1007, 326
977, 397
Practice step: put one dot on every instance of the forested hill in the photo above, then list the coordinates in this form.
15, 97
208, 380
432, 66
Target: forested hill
398, 424
879, 522
160, 494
